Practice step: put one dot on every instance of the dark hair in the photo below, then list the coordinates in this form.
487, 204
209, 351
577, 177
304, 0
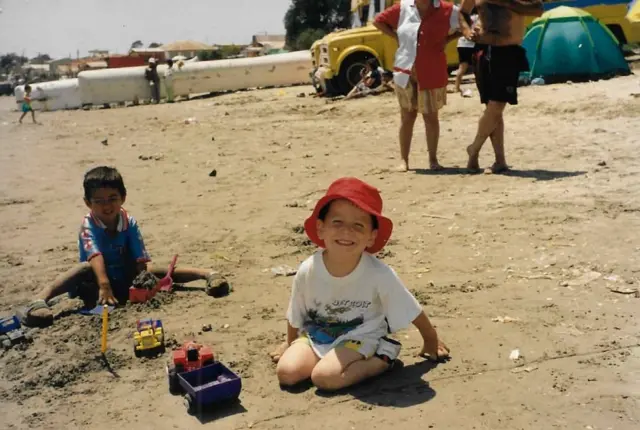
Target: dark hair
373, 63
27, 87
103, 177
325, 210
170, 62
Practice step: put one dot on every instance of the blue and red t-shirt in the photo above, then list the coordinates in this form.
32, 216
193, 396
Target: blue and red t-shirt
120, 249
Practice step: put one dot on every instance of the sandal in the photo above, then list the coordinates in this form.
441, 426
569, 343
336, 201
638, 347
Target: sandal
35, 314
217, 286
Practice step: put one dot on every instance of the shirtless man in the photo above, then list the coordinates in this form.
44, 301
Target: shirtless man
499, 60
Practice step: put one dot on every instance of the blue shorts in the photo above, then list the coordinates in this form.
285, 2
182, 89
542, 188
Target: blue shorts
26, 108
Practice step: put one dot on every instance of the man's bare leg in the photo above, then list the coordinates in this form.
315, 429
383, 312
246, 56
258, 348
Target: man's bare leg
489, 121
497, 141
432, 127
408, 120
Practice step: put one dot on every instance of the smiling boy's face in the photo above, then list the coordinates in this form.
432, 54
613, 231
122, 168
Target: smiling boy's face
346, 230
105, 204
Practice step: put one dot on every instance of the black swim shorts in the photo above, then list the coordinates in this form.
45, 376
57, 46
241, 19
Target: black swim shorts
497, 69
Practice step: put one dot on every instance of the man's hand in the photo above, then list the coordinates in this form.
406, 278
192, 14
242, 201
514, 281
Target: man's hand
106, 295
277, 353
440, 352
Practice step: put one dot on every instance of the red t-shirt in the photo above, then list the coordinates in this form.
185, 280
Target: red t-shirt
431, 62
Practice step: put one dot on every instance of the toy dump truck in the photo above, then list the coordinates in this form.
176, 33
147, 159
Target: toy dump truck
210, 385
11, 333
191, 356
148, 339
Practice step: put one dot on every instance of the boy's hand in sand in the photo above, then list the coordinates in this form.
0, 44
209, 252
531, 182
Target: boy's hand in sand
277, 353
106, 295
437, 354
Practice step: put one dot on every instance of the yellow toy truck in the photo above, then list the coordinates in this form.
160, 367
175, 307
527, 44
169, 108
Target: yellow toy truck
148, 339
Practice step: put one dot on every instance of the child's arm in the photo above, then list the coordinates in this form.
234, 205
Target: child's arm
292, 333
104, 286
136, 246
433, 348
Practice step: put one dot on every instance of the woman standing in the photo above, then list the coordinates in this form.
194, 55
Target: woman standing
422, 28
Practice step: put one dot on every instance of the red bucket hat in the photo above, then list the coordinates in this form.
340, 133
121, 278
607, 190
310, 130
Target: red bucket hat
360, 194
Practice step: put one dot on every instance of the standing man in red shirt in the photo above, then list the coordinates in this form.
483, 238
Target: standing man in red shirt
422, 28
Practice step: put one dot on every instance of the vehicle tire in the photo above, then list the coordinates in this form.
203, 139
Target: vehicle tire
350, 70
136, 351
174, 382
190, 404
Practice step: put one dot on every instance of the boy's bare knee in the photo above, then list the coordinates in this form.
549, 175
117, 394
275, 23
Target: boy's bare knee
289, 375
326, 380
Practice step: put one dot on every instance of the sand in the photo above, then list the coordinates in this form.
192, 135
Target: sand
525, 261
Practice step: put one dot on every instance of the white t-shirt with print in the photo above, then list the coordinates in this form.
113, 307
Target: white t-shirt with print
364, 306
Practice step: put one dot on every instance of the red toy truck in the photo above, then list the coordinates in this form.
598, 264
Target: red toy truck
191, 356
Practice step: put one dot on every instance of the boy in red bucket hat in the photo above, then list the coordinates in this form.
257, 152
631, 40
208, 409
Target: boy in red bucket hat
344, 301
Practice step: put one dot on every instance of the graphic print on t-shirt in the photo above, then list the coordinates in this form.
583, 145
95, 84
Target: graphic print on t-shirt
325, 329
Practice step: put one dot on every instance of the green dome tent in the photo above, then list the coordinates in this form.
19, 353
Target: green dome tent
569, 44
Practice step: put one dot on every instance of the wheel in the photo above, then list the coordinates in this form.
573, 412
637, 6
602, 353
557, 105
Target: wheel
350, 70
136, 351
190, 404
174, 382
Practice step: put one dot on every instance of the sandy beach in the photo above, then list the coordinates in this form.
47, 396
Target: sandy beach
542, 260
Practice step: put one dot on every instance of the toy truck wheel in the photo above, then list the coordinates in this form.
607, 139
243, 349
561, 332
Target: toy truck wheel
174, 383
136, 351
190, 404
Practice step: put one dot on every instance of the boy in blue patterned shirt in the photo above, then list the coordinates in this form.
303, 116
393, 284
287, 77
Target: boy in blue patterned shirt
112, 252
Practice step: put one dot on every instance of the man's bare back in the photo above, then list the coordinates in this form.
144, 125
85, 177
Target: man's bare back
498, 25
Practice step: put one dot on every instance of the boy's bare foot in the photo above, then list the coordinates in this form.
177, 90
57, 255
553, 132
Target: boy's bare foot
434, 165
473, 164
496, 169
277, 353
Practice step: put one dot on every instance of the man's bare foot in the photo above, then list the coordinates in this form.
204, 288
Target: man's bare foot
434, 165
496, 169
403, 167
473, 164
277, 353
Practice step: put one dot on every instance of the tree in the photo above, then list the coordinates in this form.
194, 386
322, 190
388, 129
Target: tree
324, 15
155, 45
307, 37
137, 44
8, 61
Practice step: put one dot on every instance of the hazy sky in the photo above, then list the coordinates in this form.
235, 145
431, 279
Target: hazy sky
60, 27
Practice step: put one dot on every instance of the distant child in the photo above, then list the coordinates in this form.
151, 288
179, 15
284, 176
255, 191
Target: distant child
111, 249
26, 105
168, 80
151, 75
345, 301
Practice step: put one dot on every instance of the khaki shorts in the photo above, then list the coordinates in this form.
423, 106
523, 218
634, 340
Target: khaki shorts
425, 101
